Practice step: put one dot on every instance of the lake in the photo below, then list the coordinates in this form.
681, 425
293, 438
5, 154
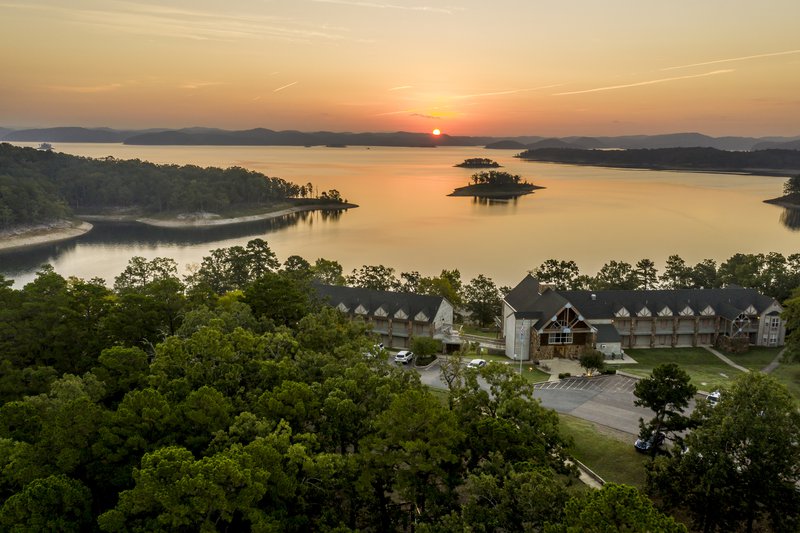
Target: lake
407, 221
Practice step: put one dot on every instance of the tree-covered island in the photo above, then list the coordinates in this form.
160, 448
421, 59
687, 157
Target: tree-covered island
791, 194
495, 184
479, 162
40, 190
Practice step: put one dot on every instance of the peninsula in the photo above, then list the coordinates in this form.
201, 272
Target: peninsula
495, 184
761, 162
48, 196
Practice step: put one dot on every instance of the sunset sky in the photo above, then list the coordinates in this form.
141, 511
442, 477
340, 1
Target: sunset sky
468, 67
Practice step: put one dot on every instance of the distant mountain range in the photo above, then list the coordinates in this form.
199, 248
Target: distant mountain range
267, 137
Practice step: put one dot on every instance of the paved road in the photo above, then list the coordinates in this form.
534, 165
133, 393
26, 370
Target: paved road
606, 400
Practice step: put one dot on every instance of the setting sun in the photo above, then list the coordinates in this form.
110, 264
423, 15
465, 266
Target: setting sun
436, 132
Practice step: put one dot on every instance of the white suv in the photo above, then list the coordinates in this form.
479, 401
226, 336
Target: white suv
404, 356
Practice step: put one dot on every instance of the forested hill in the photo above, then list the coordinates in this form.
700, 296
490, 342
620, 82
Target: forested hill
781, 162
38, 186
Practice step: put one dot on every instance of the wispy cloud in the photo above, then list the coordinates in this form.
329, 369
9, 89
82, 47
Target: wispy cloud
642, 83
382, 5
164, 21
504, 92
85, 89
400, 88
284, 87
732, 59
199, 84
420, 115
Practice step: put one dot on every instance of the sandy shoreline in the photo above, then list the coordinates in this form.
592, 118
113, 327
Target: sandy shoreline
210, 219
43, 235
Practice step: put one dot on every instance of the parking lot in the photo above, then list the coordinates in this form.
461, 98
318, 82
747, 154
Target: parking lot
606, 400
610, 383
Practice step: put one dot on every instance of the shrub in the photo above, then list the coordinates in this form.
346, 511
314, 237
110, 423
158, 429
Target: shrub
564, 375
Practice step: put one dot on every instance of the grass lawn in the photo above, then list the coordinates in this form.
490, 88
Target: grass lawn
706, 370
789, 375
756, 358
608, 452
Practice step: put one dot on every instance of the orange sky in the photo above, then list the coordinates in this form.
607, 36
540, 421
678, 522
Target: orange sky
508, 67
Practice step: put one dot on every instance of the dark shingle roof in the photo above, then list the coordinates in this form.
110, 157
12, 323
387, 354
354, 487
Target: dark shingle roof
728, 302
371, 300
723, 301
520, 297
607, 333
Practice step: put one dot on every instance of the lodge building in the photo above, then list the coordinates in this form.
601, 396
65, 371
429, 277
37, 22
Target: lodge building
540, 322
396, 317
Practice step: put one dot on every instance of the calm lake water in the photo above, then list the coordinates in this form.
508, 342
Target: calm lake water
407, 221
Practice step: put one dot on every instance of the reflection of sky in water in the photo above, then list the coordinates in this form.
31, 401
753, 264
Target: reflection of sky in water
407, 221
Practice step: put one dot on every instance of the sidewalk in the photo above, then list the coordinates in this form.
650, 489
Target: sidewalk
726, 360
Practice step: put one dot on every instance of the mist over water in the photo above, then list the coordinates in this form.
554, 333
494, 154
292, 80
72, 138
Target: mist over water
407, 221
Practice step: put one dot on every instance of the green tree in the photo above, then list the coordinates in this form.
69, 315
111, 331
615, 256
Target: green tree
645, 274
425, 346
677, 275
667, 393
483, 299
614, 508
791, 315
560, 274
54, 503
743, 270
505, 497
279, 297
615, 275
704, 275
742, 465
792, 185
375, 277
328, 271
592, 360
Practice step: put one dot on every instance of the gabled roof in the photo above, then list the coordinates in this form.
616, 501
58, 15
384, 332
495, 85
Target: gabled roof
413, 305
728, 302
606, 302
520, 297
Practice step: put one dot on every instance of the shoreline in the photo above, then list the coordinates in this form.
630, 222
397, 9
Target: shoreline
476, 190
202, 220
773, 173
49, 234
43, 235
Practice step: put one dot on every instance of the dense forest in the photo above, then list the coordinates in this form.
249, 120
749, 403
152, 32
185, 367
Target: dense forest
232, 399
673, 158
38, 185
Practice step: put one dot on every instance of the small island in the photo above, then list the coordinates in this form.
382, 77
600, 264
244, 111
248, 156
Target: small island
791, 194
495, 184
478, 162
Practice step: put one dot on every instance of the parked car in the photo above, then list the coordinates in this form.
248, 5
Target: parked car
646, 445
404, 357
713, 398
476, 363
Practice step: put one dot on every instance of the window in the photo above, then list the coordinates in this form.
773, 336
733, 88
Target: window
559, 338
